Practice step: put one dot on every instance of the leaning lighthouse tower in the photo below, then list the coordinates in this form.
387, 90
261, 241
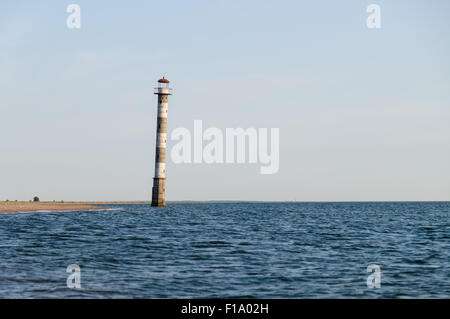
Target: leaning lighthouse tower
159, 181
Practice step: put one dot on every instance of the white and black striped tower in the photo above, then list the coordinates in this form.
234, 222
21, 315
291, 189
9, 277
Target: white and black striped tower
159, 181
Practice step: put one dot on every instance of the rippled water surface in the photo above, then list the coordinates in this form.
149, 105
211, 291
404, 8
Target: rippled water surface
279, 250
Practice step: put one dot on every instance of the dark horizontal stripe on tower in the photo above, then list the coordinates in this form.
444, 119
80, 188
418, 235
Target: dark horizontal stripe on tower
162, 125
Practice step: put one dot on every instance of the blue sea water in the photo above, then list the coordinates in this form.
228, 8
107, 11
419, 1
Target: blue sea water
248, 250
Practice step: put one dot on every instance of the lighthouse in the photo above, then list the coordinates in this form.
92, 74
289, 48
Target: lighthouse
159, 181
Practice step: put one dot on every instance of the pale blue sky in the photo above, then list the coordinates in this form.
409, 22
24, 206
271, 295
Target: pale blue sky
364, 114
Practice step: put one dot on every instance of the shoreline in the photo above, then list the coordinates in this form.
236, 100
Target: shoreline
67, 206
29, 207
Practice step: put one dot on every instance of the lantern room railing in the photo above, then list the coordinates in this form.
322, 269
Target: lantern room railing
163, 90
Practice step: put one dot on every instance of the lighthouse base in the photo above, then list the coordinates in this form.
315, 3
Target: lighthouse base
158, 192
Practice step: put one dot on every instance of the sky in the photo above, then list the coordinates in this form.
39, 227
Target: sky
363, 114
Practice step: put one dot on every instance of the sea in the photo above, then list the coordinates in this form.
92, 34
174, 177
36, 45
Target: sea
229, 250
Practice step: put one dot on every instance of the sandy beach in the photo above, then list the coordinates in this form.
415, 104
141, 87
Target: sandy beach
13, 207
